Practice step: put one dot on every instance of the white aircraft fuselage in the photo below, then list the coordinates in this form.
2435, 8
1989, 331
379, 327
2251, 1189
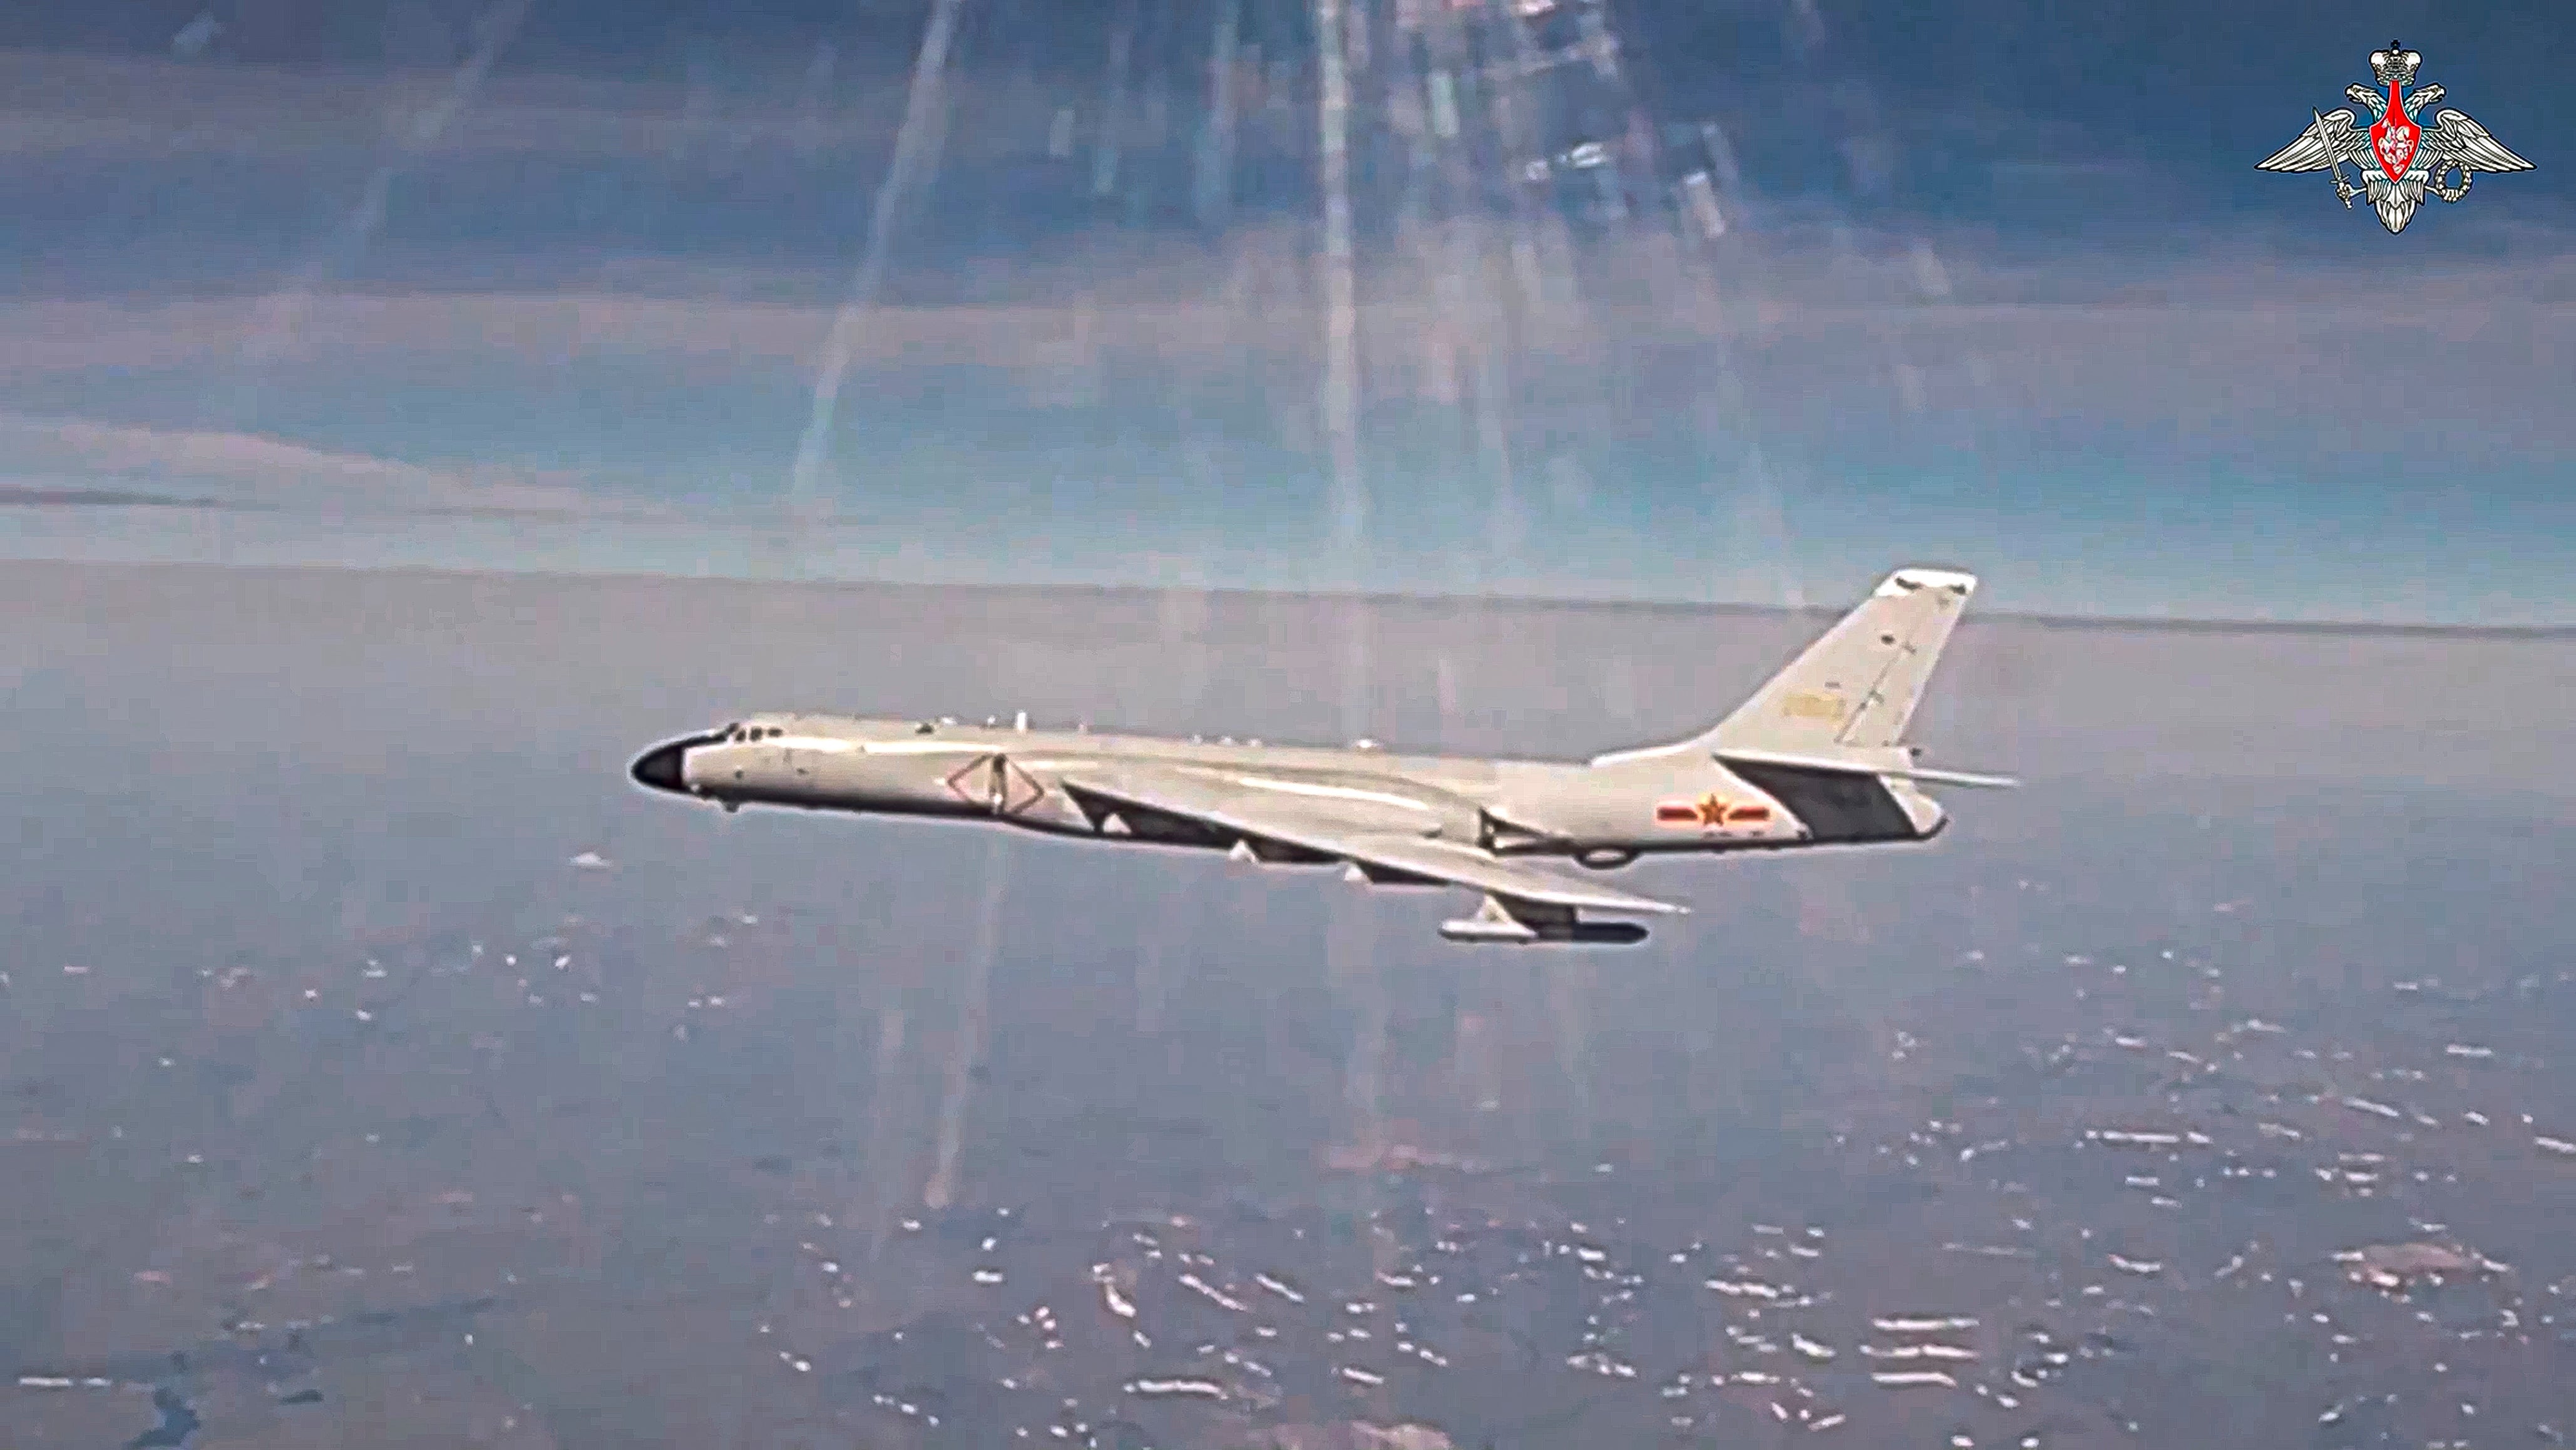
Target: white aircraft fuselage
1811, 760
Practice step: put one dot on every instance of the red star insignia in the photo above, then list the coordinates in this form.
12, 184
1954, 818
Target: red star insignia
1711, 809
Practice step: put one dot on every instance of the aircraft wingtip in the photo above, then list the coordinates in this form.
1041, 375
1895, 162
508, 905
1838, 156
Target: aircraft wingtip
1915, 576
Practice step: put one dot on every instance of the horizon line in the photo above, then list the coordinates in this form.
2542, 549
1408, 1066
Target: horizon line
2519, 633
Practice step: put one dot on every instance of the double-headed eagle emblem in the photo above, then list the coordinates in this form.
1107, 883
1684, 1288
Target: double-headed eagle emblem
2398, 157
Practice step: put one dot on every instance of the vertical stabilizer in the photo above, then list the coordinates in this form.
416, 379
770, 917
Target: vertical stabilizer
1856, 687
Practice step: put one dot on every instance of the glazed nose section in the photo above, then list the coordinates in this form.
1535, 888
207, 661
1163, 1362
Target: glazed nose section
660, 767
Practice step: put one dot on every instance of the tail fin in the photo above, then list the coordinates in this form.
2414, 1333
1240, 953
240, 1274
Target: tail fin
1850, 695
1856, 687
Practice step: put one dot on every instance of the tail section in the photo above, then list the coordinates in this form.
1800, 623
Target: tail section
1825, 737
1856, 687
1846, 700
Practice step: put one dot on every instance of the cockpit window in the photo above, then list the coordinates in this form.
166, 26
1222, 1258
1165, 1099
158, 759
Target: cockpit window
924, 728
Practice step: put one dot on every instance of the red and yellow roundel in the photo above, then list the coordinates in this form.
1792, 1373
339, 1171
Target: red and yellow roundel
1708, 810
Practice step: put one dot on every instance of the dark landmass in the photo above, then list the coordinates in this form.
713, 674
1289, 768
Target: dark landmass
381, 1069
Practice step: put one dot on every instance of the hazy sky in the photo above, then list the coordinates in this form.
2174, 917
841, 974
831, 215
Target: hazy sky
550, 285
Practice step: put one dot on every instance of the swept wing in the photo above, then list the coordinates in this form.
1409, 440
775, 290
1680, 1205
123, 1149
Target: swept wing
1310, 825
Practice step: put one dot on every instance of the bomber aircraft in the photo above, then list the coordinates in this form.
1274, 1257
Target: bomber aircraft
1815, 758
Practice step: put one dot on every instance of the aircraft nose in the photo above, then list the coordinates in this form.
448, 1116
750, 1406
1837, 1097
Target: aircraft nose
659, 767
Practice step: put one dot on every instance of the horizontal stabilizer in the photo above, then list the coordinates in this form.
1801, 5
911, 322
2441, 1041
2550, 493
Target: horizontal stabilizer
1865, 765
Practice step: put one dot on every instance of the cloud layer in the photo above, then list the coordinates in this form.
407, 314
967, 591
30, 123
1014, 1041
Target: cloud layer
248, 471
1806, 391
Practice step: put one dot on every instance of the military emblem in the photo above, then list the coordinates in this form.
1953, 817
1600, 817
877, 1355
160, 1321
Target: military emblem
1707, 813
2398, 158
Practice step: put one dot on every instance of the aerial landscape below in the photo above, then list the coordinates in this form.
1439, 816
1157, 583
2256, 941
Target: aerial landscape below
455, 1091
